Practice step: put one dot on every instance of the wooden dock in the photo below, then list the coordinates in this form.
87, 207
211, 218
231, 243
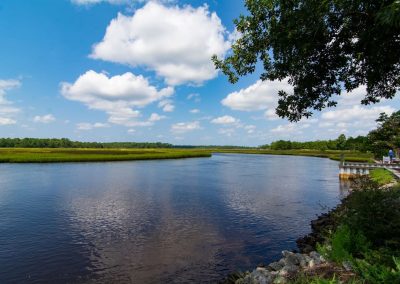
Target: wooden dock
349, 169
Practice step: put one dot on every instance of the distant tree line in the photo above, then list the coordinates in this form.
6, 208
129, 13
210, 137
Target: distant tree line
212, 147
66, 143
359, 143
378, 141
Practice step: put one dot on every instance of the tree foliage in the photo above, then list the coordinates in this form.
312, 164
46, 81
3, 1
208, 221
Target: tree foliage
321, 47
66, 143
359, 143
386, 136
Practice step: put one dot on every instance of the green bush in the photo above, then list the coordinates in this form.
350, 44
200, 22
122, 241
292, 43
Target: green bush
344, 245
376, 273
374, 212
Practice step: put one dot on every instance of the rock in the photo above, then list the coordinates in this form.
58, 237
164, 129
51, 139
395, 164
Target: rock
288, 269
347, 265
261, 277
318, 259
290, 258
311, 263
275, 266
280, 280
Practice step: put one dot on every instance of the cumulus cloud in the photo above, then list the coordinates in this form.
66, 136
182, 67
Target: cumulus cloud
176, 42
352, 119
183, 127
290, 128
90, 126
166, 105
116, 95
226, 119
156, 117
194, 111
250, 128
44, 118
263, 95
7, 110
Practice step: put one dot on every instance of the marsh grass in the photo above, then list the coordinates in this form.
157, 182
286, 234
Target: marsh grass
49, 155
350, 156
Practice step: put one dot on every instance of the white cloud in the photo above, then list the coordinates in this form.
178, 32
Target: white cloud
226, 119
116, 95
250, 128
90, 126
176, 42
195, 97
7, 121
227, 131
194, 111
44, 118
270, 114
290, 128
183, 127
166, 105
356, 114
156, 117
263, 95
356, 119
131, 131
7, 111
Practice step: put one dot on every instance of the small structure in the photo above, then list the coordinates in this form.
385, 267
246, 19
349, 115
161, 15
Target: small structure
348, 169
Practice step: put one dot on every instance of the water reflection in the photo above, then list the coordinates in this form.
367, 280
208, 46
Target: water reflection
174, 221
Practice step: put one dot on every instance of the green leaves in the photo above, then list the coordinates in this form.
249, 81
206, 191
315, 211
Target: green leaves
321, 46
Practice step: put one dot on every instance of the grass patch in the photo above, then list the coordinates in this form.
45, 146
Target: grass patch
382, 176
49, 155
350, 156
368, 232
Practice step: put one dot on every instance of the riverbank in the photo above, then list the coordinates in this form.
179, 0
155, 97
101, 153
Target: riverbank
51, 155
48, 155
356, 242
350, 156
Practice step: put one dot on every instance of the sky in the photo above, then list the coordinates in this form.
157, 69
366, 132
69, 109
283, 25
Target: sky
137, 70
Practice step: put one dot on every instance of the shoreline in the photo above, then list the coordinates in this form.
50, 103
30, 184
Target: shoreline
350, 250
304, 260
66, 155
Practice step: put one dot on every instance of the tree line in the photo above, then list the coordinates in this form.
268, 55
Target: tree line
378, 141
359, 143
66, 143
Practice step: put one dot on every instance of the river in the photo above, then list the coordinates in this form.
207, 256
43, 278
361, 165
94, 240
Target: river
166, 221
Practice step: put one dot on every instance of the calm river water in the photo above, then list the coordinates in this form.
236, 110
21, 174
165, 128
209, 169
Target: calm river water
170, 221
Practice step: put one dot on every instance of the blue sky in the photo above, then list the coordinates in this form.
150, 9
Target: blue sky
125, 70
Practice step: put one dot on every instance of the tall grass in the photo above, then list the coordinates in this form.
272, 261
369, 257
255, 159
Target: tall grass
350, 156
47, 155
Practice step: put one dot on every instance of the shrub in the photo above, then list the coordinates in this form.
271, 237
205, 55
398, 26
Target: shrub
376, 273
374, 212
344, 245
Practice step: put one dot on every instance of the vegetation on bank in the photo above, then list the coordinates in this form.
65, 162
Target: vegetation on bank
382, 176
48, 155
350, 156
365, 236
